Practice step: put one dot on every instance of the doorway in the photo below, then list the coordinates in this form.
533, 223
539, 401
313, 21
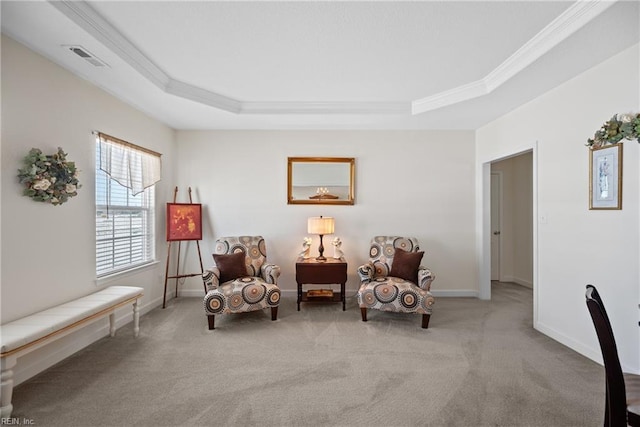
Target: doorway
511, 222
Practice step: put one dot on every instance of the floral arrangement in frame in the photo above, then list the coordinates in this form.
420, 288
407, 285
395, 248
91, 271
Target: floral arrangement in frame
605, 160
184, 221
605, 177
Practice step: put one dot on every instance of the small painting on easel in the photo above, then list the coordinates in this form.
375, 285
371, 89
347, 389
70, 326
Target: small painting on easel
184, 221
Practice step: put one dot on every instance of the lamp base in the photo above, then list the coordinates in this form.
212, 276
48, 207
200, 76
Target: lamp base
321, 251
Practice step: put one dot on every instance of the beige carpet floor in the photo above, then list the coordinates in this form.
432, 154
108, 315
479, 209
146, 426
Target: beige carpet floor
480, 363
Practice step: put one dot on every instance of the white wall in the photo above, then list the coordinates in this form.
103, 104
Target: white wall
417, 183
48, 252
577, 246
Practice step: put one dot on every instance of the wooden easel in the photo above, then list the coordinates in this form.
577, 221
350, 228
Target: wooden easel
178, 276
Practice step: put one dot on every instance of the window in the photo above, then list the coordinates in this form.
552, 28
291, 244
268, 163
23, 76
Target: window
124, 226
124, 221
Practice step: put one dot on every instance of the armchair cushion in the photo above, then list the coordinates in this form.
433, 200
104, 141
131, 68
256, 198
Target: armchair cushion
242, 295
395, 294
231, 266
405, 265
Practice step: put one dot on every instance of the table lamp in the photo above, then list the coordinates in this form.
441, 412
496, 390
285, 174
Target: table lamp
320, 226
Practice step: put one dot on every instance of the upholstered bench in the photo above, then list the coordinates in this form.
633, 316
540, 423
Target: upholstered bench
29, 333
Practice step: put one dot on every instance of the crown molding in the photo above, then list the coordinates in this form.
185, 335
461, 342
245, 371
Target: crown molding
91, 21
574, 18
567, 23
203, 96
450, 97
337, 107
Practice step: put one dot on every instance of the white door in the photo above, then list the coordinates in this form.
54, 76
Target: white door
496, 196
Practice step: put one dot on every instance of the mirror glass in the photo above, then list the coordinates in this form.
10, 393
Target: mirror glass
320, 180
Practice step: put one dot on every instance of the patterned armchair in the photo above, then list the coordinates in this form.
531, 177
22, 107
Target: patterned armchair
380, 290
241, 283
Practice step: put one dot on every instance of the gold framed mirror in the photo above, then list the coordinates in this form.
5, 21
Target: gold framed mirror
320, 180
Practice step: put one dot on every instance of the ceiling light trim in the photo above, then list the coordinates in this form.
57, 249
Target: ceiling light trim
571, 20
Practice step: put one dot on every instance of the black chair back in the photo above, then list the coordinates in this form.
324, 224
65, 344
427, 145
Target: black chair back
616, 401
596, 296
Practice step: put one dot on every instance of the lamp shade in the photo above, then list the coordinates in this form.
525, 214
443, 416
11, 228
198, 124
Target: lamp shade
320, 225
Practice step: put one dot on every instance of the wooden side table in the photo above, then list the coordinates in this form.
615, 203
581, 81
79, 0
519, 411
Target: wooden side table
310, 271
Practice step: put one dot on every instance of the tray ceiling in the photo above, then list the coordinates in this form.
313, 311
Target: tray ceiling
325, 65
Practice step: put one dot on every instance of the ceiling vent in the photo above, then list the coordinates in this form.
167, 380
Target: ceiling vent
86, 55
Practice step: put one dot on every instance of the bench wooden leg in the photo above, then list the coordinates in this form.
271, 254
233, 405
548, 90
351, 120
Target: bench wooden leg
363, 311
274, 313
6, 386
212, 321
112, 324
136, 319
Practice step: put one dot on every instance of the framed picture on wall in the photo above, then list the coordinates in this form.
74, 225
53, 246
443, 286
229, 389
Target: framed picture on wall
184, 221
605, 177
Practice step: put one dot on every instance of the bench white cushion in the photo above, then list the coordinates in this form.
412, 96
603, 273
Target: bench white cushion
31, 328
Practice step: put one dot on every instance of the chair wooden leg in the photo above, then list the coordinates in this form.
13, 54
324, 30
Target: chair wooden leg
211, 320
606, 405
274, 313
363, 311
425, 320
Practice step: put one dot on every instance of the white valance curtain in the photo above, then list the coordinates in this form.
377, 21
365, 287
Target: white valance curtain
130, 165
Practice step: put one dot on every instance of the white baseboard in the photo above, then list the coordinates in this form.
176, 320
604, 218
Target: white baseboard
517, 281
188, 293
592, 353
522, 282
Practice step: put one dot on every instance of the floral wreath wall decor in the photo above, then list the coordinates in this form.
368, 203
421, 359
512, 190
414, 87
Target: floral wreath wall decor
605, 160
621, 126
49, 178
